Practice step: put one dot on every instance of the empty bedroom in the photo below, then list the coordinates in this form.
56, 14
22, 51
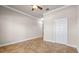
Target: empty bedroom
39, 28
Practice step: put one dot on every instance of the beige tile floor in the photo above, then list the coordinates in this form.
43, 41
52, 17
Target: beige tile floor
37, 46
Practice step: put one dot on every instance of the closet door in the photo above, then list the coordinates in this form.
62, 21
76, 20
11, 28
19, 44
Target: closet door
49, 30
61, 30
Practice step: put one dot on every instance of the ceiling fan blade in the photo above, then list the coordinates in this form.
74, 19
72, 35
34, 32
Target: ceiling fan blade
40, 7
32, 9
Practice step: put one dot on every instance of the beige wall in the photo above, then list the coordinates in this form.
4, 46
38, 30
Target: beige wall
78, 28
71, 13
16, 27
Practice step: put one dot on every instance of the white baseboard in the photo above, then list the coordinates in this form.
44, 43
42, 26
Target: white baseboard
63, 43
78, 48
19, 41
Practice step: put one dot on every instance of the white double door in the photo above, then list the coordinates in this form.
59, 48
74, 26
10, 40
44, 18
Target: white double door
61, 30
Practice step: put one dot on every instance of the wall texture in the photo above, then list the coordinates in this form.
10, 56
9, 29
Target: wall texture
15, 27
78, 27
71, 13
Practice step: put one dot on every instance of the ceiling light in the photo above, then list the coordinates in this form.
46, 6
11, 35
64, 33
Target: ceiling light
34, 7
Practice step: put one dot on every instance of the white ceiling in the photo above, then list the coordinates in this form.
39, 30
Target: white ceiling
37, 13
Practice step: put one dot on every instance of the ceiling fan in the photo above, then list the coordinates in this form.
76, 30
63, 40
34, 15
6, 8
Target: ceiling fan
35, 7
